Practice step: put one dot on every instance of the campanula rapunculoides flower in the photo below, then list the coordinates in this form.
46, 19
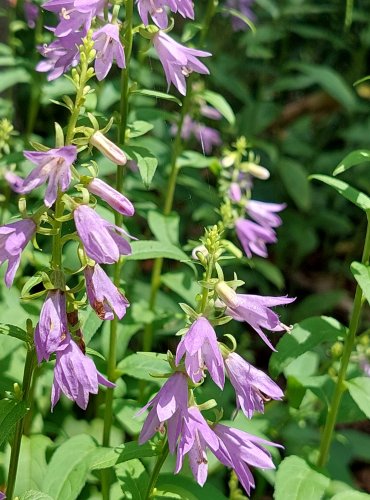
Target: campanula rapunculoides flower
115, 199
103, 295
156, 10
167, 406
75, 375
239, 450
108, 148
53, 167
200, 348
108, 48
208, 137
99, 237
265, 213
235, 192
178, 61
252, 387
244, 7
52, 327
254, 237
13, 239
31, 12
196, 436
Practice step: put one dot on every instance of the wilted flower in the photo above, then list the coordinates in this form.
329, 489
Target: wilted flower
108, 48
108, 148
200, 347
13, 239
254, 237
103, 295
115, 199
265, 213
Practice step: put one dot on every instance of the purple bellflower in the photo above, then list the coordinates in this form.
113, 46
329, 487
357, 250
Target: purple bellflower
252, 387
156, 10
103, 295
244, 7
265, 213
31, 12
254, 237
108, 48
99, 237
168, 405
178, 61
75, 375
13, 239
115, 199
53, 166
200, 347
235, 192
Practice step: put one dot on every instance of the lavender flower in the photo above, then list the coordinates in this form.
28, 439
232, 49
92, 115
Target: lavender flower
254, 237
177, 60
208, 137
251, 385
31, 12
99, 237
235, 192
75, 375
115, 199
210, 112
265, 213
196, 435
52, 327
244, 7
238, 450
13, 239
156, 9
108, 48
167, 406
53, 166
104, 297
200, 347
364, 364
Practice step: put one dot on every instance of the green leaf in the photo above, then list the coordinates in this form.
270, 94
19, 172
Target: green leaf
184, 488
13, 331
220, 103
355, 158
157, 95
193, 159
350, 495
295, 180
11, 411
269, 271
91, 325
35, 495
359, 389
133, 479
133, 450
68, 468
295, 480
304, 337
139, 127
151, 249
146, 162
350, 193
361, 274
142, 364
11, 77
183, 284
164, 227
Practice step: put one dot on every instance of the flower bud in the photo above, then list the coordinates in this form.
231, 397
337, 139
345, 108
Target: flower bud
200, 248
227, 294
258, 171
108, 148
235, 192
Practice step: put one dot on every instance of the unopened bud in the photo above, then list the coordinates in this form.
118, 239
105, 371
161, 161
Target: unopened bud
257, 171
227, 294
108, 148
201, 249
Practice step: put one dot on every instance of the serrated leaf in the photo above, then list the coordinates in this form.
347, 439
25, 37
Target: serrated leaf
11, 412
13, 331
146, 162
361, 273
35, 495
220, 103
143, 365
359, 389
152, 249
296, 182
164, 227
133, 479
350, 193
157, 95
352, 159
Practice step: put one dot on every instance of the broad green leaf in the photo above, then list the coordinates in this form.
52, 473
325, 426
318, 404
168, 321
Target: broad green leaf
295, 480
304, 337
68, 468
11, 411
13, 76
183, 284
133, 479
361, 274
103, 458
269, 271
35, 495
139, 127
142, 365
146, 162
220, 103
193, 159
185, 488
164, 227
13, 331
91, 325
350, 193
157, 95
151, 249
359, 389
296, 183
352, 159
351, 495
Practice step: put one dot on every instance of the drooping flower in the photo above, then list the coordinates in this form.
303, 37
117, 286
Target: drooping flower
115, 199
75, 375
54, 167
31, 12
196, 436
208, 137
252, 387
200, 348
103, 295
178, 61
239, 450
13, 239
244, 7
265, 213
210, 112
167, 406
108, 48
156, 10
108, 148
52, 327
254, 237
99, 237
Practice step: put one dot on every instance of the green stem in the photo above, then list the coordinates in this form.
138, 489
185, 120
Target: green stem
157, 469
348, 14
340, 387
14, 456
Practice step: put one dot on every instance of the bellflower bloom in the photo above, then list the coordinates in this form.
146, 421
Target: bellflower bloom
200, 347
108, 148
13, 239
108, 48
244, 7
99, 237
254, 237
210, 112
177, 60
52, 327
168, 405
208, 137
196, 435
103, 295
239, 450
2, 496
75, 375
156, 10
31, 12
235, 192
252, 387
115, 199
265, 213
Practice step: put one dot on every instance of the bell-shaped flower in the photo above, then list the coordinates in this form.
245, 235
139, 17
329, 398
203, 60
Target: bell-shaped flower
200, 348
13, 239
157, 10
116, 200
103, 295
108, 148
265, 213
99, 237
252, 387
108, 48
254, 237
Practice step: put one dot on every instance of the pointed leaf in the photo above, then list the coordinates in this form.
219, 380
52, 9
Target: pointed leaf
11, 411
354, 158
13, 331
361, 274
359, 389
350, 193
220, 103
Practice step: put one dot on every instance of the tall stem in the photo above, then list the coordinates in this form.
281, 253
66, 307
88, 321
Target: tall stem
340, 387
157, 469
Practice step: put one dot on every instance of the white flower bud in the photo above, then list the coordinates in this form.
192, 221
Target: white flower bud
200, 248
258, 171
108, 148
227, 294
